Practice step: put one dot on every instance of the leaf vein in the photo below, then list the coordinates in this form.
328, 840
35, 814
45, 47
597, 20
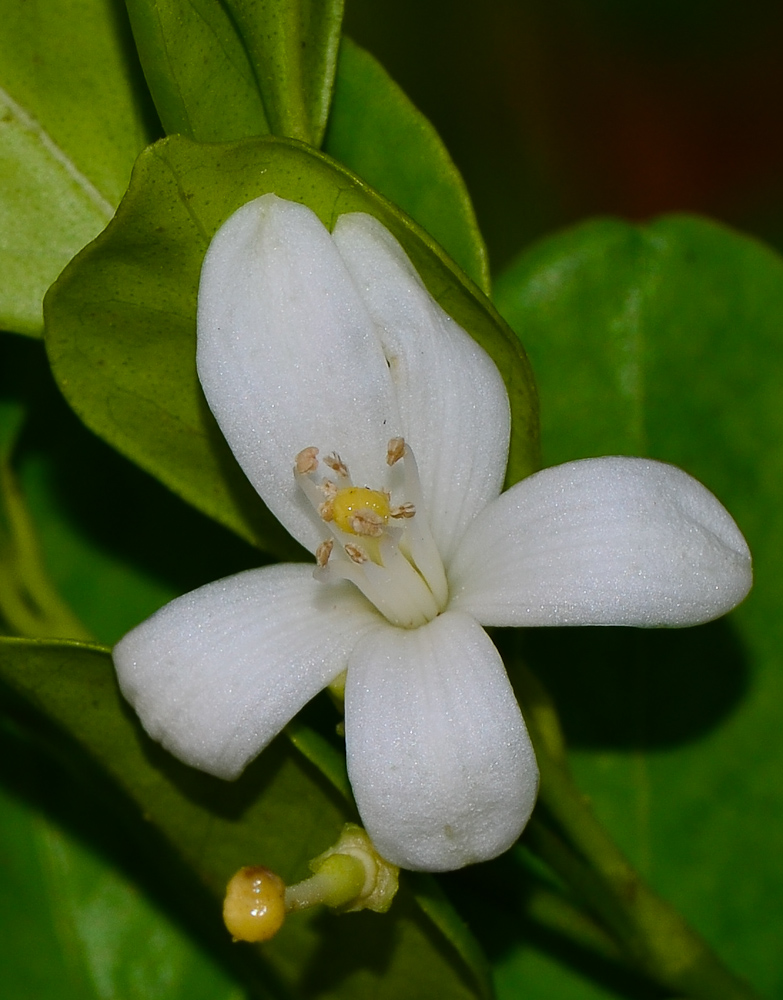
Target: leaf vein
31, 125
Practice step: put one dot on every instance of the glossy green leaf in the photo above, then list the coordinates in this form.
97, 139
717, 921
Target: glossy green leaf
71, 125
293, 50
279, 813
121, 319
221, 70
666, 341
197, 69
376, 131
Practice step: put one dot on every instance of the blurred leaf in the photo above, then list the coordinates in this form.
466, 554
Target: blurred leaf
666, 341
71, 125
183, 46
436, 904
279, 813
29, 603
115, 543
63, 898
379, 134
329, 761
12, 417
121, 320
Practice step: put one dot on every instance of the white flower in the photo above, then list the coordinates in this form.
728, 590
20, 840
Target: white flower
330, 342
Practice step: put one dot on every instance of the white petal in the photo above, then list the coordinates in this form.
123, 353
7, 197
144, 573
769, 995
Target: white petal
216, 674
288, 357
452, 400
438, 755
604, 541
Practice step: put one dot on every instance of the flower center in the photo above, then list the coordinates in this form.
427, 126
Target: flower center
386, 550
360, 511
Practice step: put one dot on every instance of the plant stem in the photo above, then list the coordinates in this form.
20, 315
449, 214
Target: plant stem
651, 932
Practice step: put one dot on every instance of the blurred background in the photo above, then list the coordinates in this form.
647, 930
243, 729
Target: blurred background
555, 110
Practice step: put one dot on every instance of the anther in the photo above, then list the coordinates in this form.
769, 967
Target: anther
306, 461
395, 450
356, 553
326, 510
336, 464
404, 510
323, 552
367, 522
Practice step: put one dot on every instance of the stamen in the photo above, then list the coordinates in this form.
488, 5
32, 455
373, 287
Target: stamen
395, 450
397, 565
323, 552
367, 522
336, 464
306, 461
356, 553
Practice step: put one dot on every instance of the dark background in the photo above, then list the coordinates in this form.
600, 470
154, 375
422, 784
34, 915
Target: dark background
555, 110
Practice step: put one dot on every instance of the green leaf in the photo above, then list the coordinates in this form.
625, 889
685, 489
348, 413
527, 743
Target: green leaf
64, 894
665, 341
71, 125
373, 128
197, 69
121, 320
279, 813
377, 132
221, 70
293, 50
114, 542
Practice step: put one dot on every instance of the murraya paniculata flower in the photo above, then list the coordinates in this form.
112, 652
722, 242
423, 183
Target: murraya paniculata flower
377, 431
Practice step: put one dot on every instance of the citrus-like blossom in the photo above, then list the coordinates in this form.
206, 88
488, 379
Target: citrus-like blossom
377, 431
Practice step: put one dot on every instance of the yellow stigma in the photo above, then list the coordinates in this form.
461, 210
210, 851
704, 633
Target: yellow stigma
360, 511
